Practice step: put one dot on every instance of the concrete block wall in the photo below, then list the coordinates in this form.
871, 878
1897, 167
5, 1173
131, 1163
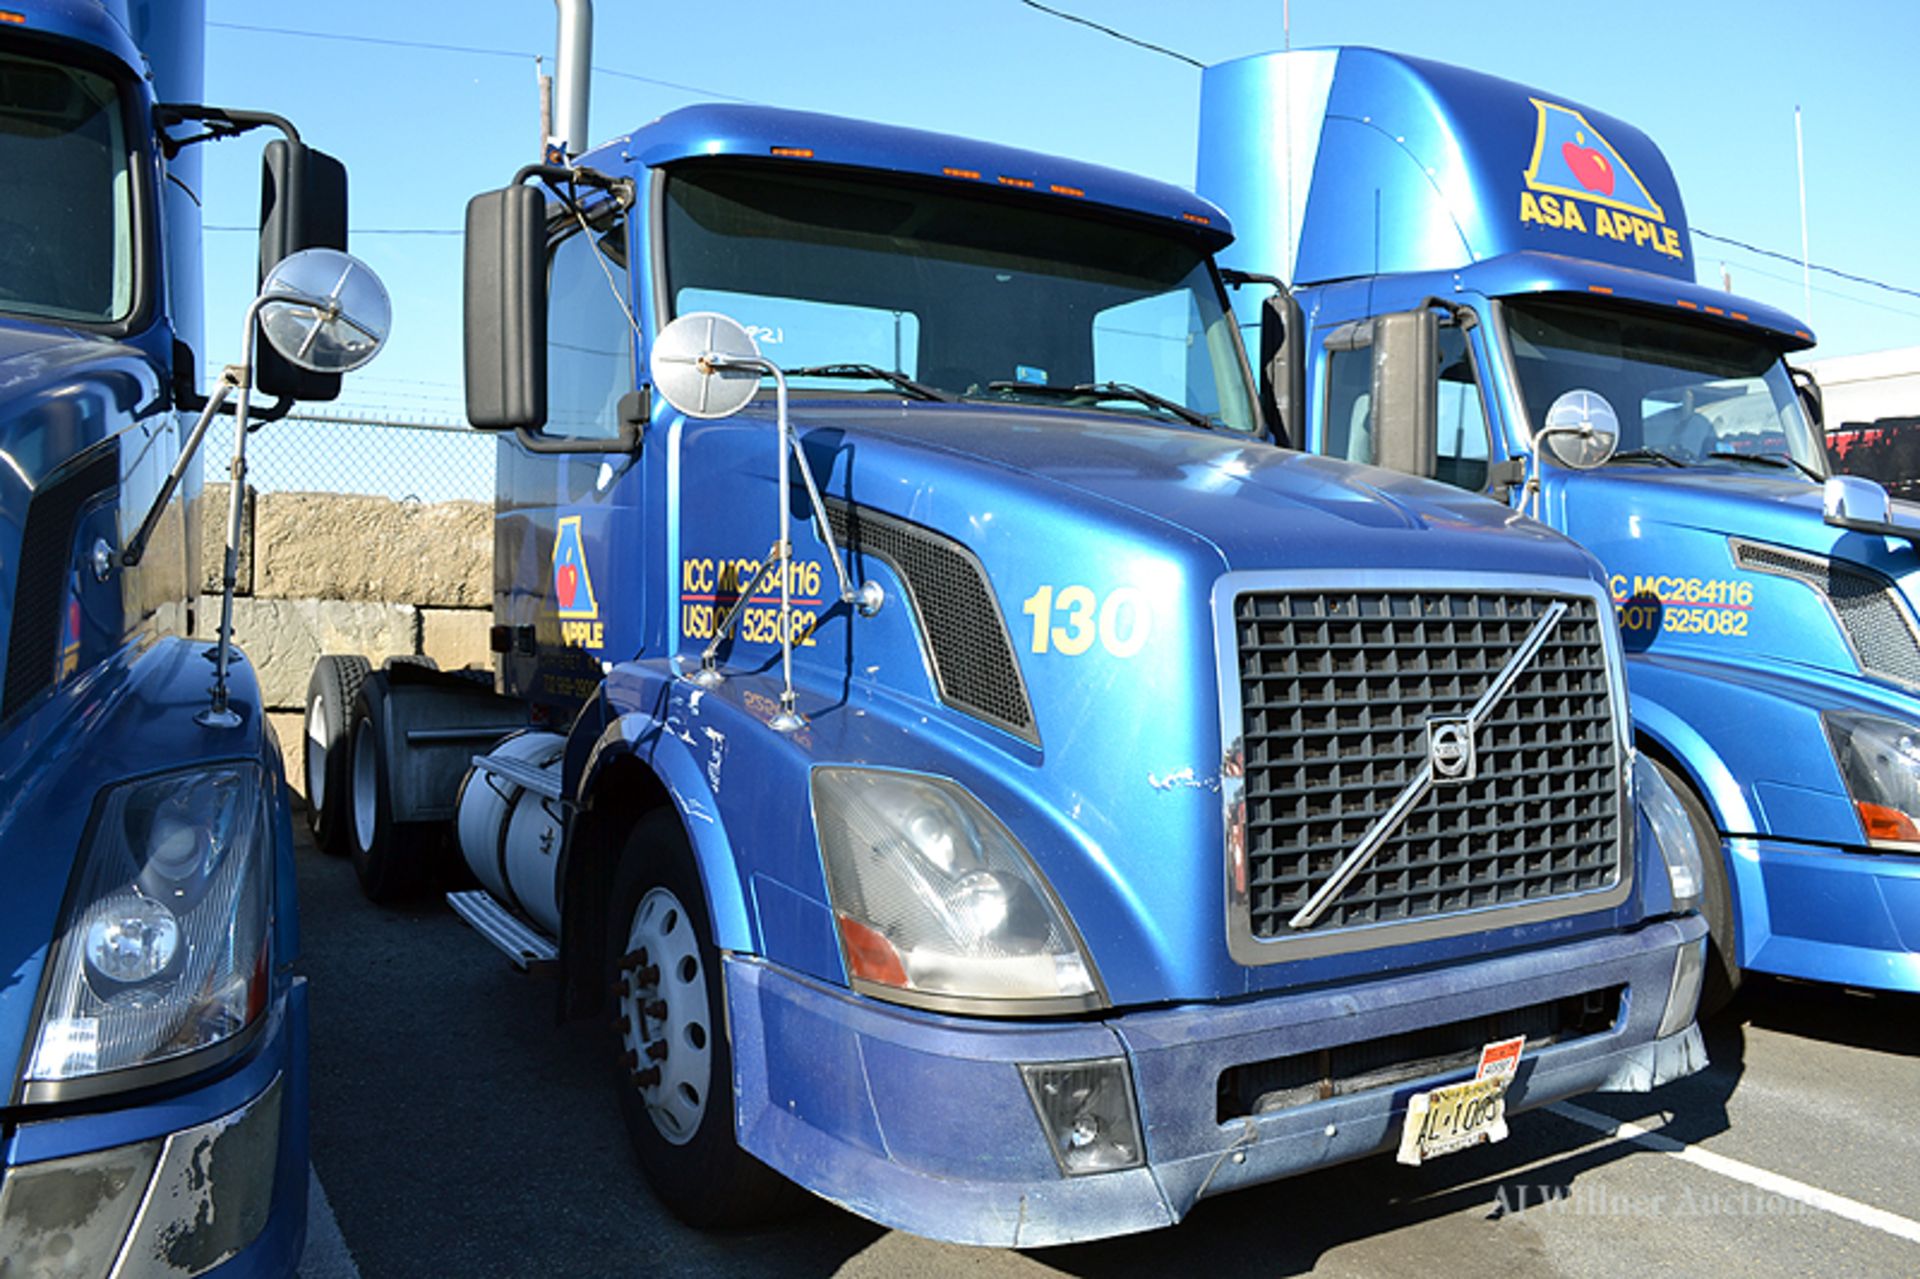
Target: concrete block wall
340, 573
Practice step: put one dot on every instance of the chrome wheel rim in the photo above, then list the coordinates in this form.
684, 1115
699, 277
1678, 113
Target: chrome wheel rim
316, 755
665, 1019
364, 783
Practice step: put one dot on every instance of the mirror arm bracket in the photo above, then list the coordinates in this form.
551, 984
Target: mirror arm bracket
627, 442
221, 124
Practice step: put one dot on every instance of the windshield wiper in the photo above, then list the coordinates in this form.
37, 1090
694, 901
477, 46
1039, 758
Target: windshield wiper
1096, 391
1646, 455
874, 373
1781, 460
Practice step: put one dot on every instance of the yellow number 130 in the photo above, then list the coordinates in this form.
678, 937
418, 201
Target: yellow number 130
1070, 621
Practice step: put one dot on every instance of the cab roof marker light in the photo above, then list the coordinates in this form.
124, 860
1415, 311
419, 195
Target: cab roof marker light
1025, 184
8, 15
1057, 189
1739, 315
792, 153
951, 172
1691, 306
1600, 288
1802, 333
1714, 310
1199, 219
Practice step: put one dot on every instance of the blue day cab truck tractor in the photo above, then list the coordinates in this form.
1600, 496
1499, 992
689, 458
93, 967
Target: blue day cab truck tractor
1024, 800
152, 1036
1530, 255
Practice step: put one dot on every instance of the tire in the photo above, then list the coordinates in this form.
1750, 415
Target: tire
1722, 980
409, 659
391, 859
335, 682
660, 952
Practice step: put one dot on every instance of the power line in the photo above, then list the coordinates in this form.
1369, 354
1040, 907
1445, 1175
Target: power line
1812, 266
1064, 16
516, 54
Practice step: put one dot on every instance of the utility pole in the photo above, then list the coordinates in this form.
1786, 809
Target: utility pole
545, 84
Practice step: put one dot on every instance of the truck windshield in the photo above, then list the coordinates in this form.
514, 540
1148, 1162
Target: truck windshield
1682, 392
966, 293
66, 222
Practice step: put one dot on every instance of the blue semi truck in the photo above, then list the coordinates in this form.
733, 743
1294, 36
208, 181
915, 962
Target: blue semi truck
1528, 258
983, 780
153, 1111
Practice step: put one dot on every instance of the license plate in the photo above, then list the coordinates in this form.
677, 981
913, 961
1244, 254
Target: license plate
1452, 1118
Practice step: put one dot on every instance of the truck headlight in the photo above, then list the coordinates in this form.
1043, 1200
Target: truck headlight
935, 898
1879, 760
1672, 830
164, 947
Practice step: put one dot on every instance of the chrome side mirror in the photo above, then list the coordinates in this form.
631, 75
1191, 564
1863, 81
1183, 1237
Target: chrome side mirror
1853, 497
325, 310
707, 365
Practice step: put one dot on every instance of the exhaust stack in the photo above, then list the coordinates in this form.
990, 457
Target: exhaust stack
573, 58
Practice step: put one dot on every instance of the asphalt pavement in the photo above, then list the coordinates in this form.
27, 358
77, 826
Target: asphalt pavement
458, 1130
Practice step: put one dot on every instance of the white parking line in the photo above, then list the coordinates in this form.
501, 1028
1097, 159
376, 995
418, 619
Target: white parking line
1770, 1182
326, 1256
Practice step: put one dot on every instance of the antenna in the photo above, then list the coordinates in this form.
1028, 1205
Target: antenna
1806, 272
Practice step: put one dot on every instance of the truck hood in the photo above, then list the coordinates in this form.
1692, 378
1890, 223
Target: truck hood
1256, 505
1724, 501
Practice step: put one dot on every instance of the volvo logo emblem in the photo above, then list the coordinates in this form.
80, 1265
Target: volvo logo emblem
1450, 749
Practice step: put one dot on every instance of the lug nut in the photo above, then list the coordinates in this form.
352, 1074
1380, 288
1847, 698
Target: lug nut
619, 989
657, 1050
630, 1059
648, 1078
656, 1010
633, 959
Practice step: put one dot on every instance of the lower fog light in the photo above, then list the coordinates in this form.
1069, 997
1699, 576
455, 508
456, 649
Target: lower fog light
1683, 997
70, 1216
1086, 1109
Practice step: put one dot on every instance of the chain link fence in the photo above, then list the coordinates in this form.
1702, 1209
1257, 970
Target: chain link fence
321, 449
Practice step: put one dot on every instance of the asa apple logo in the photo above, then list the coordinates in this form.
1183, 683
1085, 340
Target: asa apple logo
567, 584
1590, 168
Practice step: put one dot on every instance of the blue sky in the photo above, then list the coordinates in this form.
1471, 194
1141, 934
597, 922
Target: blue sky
1714, 82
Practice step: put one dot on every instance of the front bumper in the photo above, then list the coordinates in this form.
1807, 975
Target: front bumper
209, 1181
1828, 914
924, 1123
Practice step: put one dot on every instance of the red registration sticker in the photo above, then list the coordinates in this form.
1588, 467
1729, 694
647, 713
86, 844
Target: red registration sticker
1502, 1058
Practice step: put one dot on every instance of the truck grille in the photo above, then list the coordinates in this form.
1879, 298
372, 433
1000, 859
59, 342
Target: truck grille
1336, 691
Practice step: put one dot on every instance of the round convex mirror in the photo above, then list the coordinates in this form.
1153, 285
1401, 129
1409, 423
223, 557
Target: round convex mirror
1581, 430
690, 364
325, 310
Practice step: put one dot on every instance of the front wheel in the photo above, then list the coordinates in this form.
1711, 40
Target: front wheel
1722, 979
673, 1067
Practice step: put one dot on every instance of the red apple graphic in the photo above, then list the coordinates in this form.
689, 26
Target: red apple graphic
1590, 167
566, 582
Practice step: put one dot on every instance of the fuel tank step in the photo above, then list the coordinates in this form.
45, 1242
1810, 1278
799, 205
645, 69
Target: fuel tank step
524, 948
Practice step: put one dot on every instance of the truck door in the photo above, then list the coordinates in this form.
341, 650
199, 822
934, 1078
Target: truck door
561, 543
1349, 428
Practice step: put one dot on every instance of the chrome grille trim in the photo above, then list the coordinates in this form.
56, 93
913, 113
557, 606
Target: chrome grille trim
1366, 915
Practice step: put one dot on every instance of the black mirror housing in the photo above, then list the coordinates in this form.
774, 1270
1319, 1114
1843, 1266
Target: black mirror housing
506, 310
303, 205
1406, 392
1283, 397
